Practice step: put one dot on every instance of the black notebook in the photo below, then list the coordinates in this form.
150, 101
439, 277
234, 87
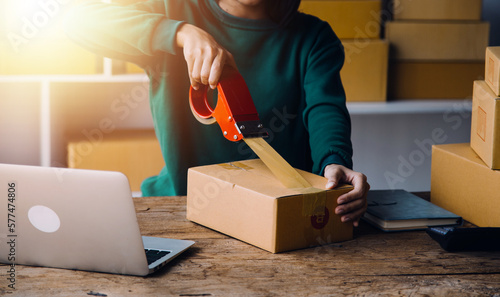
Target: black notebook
395, 210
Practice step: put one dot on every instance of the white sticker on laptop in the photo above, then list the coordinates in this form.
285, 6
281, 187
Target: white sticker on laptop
44, 218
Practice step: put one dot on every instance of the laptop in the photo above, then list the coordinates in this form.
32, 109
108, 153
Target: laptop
76, 219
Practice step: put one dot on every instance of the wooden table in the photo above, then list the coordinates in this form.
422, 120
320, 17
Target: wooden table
373, 263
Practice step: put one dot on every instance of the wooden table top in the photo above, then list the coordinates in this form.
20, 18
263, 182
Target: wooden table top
373, 263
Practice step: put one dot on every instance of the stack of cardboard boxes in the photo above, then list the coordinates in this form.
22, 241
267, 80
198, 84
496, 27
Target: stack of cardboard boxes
465, 178
357, 24
437, 48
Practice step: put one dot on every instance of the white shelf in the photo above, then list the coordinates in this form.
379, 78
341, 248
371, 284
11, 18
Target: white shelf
409, 107
75, 78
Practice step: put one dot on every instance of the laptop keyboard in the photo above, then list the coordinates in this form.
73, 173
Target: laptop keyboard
153, 255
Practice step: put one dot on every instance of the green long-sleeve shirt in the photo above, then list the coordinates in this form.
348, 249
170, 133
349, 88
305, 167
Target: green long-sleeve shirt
292, 72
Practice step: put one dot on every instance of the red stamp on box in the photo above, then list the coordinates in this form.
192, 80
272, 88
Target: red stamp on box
320, 221
481, 123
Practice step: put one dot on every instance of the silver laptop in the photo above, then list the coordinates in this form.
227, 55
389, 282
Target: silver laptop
76, 219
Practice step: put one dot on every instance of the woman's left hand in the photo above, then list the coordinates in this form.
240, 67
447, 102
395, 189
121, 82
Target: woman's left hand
351, 205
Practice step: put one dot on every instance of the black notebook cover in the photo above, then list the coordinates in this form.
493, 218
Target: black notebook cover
394, 210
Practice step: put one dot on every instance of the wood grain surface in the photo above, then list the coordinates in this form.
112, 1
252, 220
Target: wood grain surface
372, 264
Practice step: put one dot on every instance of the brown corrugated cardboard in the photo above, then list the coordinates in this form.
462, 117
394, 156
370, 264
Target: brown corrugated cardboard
418, 80
244, 200
485, 124
464, 185
364, 74
437, 41
349, 19
437, 10
136, 153
492, 73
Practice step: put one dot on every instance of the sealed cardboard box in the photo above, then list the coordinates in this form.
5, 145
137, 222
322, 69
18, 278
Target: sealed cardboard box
135, 153
464, 185
427, 80
431, 41
492, 75
485, 124
348, 18
446, 10
364, 74
244, 200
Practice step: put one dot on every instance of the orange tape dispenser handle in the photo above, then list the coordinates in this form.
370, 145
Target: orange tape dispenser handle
235, 111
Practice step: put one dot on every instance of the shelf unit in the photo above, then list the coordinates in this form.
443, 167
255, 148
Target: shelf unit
51, 109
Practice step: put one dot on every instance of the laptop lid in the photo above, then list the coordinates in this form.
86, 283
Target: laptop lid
70, 218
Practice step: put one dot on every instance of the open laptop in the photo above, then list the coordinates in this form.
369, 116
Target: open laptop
76, 219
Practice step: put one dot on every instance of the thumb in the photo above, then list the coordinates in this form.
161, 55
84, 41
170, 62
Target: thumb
333, 174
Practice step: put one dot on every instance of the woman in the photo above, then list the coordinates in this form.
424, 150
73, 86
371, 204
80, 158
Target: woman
289, 60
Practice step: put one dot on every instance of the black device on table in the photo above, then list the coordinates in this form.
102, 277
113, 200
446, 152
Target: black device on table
454, 239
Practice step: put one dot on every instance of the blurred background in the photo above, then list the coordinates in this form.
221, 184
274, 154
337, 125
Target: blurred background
63, 106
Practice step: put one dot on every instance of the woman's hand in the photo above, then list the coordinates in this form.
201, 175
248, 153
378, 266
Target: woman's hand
351, 205
204, 56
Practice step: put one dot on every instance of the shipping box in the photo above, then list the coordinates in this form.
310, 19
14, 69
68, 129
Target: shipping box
244, 200
421, 80
349, 19
135, 153
464, 185
364, 74
485, 124
445, 10
492, 75
431, 41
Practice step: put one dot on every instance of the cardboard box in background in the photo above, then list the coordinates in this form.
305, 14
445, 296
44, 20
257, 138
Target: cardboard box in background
492, 73
135, 153
364, 74
437, 41
349, 19
445, 80
446, 10
485, 124
133, 68
244, 200
464, 185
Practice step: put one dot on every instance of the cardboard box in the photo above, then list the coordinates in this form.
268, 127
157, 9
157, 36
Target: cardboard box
492, 73
349, 19
464, 185
135, 153
437, 41
485, 124
244, 200
364, 74
446, 10
419, 80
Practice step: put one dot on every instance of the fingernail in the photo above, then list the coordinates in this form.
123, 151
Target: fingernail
346, 219
330, 185
339, 210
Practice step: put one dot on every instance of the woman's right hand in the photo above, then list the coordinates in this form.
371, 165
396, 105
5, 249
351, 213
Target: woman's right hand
204, 56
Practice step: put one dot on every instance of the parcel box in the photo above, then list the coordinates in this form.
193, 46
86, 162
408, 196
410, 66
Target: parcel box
464, 185
135, 153
485, 124
445, 10
433, 41
348, 18
244, 200
432, 80
492, 73
364, 74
